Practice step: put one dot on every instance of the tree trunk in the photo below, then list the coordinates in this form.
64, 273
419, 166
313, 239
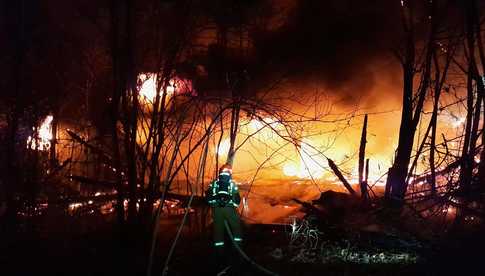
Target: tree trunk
52, 151
468, 149
233, 134
396, 184
433, 124
396, 180
481, 89
11, 159
118, 89
363, 141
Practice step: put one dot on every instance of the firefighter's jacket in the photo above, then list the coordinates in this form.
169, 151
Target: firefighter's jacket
223, 192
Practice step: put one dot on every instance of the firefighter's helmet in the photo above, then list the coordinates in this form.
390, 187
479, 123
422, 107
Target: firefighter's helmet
226, 169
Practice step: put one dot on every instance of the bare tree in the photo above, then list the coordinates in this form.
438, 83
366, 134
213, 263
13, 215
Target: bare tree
413, 102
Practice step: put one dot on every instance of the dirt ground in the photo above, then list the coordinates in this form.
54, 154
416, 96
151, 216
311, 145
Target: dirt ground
59, 244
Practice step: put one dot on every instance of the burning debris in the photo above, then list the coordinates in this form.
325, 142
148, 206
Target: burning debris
175, 86
106, 207
42, 137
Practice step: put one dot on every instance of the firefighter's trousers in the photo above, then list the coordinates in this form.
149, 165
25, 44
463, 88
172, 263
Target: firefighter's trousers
229, 214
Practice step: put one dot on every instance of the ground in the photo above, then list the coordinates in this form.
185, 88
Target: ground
90, 245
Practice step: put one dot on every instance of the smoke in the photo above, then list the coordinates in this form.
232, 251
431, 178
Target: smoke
341, 46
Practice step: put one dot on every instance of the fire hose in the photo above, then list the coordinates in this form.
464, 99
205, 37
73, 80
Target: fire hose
245, 256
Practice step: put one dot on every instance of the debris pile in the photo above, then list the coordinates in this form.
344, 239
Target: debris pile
309, 243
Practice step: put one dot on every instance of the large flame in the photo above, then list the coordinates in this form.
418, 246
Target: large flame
263, 135
44, 136
148, 89
309, 165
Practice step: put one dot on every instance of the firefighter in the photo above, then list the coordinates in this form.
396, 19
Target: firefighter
223, 196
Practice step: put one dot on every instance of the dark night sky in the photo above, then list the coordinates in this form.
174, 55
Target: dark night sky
336, 43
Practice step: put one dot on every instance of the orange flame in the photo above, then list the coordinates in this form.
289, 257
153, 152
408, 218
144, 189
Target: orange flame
309, 165
43, 140
148, 89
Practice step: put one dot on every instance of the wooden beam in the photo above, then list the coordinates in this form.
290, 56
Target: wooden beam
342, 179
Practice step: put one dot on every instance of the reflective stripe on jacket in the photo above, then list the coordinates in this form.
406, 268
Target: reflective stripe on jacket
233, 193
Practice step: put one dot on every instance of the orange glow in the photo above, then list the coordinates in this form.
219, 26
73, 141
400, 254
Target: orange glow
337, 136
